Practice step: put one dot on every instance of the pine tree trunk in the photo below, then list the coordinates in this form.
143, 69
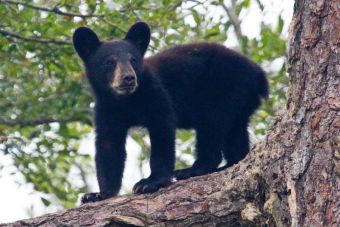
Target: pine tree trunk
291, 178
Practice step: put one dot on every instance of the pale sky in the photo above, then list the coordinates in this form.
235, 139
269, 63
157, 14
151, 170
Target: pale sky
16, 200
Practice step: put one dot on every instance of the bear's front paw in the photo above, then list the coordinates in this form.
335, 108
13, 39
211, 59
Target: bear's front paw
91, 197
150, 185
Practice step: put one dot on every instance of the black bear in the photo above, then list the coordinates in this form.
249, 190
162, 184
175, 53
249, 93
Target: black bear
202, 86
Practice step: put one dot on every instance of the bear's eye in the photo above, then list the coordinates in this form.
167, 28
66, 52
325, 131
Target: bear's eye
133, 60
110, 62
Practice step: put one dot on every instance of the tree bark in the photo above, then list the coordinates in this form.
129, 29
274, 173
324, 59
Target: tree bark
291, 178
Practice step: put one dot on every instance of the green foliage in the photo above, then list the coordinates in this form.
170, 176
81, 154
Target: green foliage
46, 105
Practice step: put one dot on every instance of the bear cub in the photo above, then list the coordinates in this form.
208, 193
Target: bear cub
202, 86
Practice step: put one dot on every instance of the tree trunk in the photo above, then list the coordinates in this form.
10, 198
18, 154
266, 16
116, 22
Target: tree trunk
291, 178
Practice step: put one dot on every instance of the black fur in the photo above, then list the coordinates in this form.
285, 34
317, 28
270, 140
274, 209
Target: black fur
201, 86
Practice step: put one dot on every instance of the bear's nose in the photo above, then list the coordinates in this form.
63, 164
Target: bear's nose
129, 79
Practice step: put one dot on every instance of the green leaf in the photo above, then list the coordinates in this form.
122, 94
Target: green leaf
280, 24
45, 201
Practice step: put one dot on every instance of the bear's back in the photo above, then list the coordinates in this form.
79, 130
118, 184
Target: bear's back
203, 64
205, 75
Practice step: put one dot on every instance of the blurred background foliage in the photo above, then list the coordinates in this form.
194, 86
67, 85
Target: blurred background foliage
46, 104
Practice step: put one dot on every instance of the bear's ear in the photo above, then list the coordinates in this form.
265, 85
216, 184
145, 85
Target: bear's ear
85, 41
139, 35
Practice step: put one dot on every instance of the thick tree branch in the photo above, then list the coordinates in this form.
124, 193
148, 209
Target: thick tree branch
227, 198
33, 39
51, 10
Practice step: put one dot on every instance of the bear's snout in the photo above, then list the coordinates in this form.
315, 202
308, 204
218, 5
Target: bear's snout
124, 80
129, 80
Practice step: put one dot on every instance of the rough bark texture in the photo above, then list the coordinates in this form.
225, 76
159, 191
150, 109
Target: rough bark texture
290, 178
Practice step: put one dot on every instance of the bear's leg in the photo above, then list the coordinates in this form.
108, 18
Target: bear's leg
208, 152
162, 160
110, 158
236, 146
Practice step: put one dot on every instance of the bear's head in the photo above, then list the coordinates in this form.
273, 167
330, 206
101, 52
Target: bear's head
113, 66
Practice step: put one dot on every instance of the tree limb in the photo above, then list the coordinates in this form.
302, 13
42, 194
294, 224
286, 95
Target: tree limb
235, 21
57, 11
34, 39
227, 198
52, 10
